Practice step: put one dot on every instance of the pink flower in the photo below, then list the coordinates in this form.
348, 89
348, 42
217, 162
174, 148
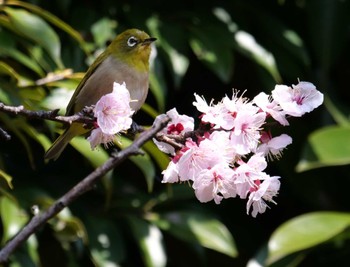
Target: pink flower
271, 107
272, 146
113, 110
213, 114
215, 183
179, 124
246, 132
98, 137
248, 172
262, 192
300, 99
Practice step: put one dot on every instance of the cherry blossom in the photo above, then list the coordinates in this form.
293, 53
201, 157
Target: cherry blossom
98, 137
179, 124
228, 156
113, 110
271, 107
215, 183
300, 99
272, 147
262, 192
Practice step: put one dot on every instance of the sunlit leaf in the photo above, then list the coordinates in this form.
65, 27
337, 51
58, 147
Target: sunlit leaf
52, 19
14, 126
8, 70
36, 29
103, 30
8, 48
161, 158
150, 240
247, 44
143, 162
329, 146
216, 52
96, 158
12, 216
7, 178
171, 39
306, 231
106, 241
195, 227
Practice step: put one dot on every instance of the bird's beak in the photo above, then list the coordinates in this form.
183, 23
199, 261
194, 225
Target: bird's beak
148, 41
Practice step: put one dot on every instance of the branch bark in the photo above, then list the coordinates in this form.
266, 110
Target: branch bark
82, 187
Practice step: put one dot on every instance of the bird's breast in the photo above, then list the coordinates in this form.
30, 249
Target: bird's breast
101, 82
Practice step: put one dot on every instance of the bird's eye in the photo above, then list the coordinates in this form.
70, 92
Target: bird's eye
132, 41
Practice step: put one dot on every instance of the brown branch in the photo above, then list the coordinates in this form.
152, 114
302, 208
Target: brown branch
82, 187
85, 116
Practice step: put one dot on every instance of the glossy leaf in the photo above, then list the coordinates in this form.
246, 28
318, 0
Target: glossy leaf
14, 125
36, 29
96, 158
8, 70
103, 31
329, 146
216, 52
306, 231
171, 39
12, 216
150, 240
52, 19
195, 227
143, 162
8, 48
106, 241
7, 178
161, 158
249, 46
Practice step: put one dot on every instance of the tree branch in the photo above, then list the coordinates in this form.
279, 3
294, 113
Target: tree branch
82, 187
85, 116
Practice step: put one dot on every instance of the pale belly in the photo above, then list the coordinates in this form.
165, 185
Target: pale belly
101, 83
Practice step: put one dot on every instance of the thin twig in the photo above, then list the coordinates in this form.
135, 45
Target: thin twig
85, 116
82, 187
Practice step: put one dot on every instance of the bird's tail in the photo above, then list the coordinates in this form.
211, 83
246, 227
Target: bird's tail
62, 141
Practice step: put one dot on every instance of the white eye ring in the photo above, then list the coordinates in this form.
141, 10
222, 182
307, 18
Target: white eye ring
132, 41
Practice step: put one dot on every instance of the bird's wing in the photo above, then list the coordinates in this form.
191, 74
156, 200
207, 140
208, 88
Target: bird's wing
70, 107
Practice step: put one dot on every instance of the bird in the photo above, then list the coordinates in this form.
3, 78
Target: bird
126, 59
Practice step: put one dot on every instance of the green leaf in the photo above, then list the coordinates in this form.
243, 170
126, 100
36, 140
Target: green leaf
7, 178
143, 162
52, 19
106, 241
14, 125
8, 48
36, 29
215, 52
8, 70
161, 158
103, 30
306, 231
172, 39
340, 118
329, 146
12, 216
248, 46
150, 240
195, 227
96, 158
157, 87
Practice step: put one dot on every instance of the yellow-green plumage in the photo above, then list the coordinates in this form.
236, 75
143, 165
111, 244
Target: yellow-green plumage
126, 59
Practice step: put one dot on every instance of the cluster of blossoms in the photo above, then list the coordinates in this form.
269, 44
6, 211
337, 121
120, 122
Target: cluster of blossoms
113, 114
227, 156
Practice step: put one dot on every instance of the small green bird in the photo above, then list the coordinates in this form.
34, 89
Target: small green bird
126, 59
